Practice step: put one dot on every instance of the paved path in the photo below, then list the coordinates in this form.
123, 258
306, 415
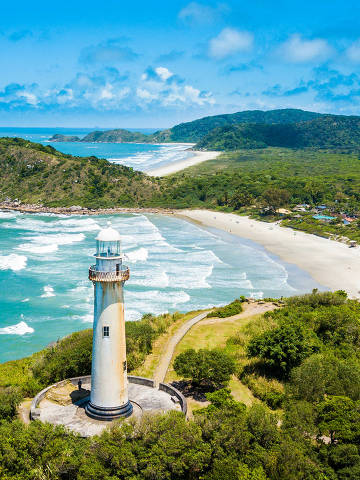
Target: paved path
162, 368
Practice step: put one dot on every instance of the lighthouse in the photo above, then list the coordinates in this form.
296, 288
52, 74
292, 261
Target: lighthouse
109, 391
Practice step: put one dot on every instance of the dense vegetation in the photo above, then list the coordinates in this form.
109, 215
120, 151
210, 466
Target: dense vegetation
330, 131
312, 348
118, 135
289, 128
35, 173
197, 129
194, 131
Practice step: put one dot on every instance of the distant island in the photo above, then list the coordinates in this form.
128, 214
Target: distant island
288, 128
119, 135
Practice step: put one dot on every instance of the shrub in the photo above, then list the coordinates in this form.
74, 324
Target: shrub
70, 357
283, 348
233, 308
205, 366
9, 400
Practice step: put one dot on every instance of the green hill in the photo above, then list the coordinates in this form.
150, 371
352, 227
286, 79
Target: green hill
328, 131
34, 173
64, 138
118, 135
196, 130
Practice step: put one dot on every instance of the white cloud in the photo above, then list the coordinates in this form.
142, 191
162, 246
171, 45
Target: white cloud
163, 73
144, 94
29, 97
353, 52
163, 87
230, 41
108, 90
298, 50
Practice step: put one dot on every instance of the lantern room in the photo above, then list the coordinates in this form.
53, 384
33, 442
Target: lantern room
108, 243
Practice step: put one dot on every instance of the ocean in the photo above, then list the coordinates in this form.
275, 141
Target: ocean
140, 156
175, 266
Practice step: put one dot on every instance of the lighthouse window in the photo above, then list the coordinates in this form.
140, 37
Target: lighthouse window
106, 331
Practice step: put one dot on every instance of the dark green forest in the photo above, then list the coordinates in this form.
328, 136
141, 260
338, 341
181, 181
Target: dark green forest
290, 128
329, 131
311, 345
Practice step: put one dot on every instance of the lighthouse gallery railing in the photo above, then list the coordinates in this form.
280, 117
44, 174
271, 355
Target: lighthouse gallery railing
117, 276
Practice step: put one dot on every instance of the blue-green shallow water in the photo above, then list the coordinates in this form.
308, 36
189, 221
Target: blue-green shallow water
140, 156
175, 265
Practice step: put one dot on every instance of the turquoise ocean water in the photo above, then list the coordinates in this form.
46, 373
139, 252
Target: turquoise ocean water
175, 265
137, 155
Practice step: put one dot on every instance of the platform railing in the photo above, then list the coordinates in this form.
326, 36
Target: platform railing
116, 276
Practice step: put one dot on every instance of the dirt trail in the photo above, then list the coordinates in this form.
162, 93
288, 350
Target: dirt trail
165, 359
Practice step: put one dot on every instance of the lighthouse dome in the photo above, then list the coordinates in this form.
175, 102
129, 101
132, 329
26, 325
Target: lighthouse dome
108, 235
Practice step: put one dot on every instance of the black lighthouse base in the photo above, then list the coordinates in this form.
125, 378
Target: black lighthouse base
108, 413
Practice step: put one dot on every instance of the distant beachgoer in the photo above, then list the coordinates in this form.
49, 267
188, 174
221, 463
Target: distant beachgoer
79, 384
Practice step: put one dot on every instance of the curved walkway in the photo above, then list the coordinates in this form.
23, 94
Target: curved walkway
165, 360
162, 368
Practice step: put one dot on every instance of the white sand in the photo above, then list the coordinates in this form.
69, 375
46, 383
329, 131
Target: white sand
332, 264
198, 157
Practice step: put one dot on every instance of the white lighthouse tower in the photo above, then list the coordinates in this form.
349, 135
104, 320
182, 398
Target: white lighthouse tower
109, 392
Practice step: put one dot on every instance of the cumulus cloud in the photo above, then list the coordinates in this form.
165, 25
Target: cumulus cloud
112, 51
298, 50
108, 90
159, 85
15, 95
229, 42
353, 52
196, 12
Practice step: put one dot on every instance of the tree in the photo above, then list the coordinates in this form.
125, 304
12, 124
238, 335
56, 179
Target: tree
283, 348
273, 198
205, 366
240, 199
339, 417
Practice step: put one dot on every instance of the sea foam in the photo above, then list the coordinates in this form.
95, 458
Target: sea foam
12, 262
19, 329
48, 292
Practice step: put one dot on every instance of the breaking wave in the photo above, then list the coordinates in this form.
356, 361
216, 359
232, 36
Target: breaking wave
12, 262
19, 329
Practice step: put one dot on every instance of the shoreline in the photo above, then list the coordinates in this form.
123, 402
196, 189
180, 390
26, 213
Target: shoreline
329, 263
174, 167
76, 210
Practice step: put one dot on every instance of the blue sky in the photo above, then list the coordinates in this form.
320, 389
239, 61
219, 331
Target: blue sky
155, 64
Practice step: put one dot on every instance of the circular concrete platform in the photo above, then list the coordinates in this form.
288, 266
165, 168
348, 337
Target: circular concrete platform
63, 404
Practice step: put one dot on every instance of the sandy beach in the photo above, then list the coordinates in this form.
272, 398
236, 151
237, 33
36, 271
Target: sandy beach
198, 157
332, 264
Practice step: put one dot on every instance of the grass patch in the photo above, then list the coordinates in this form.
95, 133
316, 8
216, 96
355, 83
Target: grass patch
147, 369
210, 334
